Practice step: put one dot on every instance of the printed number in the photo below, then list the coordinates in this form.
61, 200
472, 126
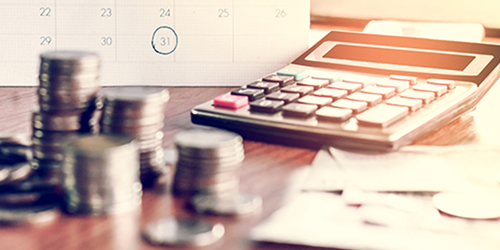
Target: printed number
106, 41
164, 12
45, 11
45, 40
164, 41
223, 13
106, 12
280, 13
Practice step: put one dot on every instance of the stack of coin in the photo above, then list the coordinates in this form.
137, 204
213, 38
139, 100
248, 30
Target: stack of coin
101, 175
68, 104
25, 198
138, 112
208, 162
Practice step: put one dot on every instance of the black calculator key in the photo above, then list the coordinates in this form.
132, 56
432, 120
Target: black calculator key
280, 79
301, 90
266, 106
299, 110
268, 87
252, 94
315, 83
286, 97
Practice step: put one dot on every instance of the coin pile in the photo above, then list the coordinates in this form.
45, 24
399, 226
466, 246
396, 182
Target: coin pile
208, 162
68, 104
101, 175
25, 198
138, 112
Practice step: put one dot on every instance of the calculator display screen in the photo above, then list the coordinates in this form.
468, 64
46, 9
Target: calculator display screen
399, 57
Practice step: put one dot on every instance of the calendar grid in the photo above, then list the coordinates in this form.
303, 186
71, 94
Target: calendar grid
169, 35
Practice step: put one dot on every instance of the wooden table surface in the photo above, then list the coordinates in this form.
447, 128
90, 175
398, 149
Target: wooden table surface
266, 171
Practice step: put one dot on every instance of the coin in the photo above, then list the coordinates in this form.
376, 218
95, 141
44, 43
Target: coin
17, 139
470, 205
138, 112
29, 215
183, 232
69, 62
235, 204
136, 95
101, 175
215, 143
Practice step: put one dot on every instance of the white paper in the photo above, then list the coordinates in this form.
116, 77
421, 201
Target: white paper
412, 168
156, 42
325, 220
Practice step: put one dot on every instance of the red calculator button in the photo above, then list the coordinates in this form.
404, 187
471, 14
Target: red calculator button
231, 101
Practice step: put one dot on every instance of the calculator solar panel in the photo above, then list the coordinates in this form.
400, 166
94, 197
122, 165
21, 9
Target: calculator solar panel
361, 91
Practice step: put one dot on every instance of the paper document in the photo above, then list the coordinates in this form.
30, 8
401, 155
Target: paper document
156, 42
412, 168
325, 220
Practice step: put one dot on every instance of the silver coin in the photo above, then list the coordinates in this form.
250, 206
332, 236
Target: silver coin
69, 62
15, 139
470, 205
137, 95
101, 175
56, 121
69, 82
132, 110
207, 143
132, 121
220, 163
27, 198
19, 172
29, 215
236, 204
183, 232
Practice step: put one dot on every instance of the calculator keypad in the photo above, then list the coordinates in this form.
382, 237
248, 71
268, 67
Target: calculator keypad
372, 102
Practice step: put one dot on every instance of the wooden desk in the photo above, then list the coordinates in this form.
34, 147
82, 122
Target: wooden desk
266, 171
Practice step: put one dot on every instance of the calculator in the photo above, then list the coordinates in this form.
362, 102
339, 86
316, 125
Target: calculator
359, 91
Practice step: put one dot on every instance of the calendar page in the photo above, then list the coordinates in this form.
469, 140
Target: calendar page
155, 42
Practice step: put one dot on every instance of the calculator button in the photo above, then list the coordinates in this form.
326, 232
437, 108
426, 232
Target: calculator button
363, 80
301, 90
438, 90
382, 115
298, 74
399, 85
315, 83
333, 114
299, 110
268, 87
326, 75
410, 79
426, 97
385, 92
252, 94
335, 94
450, 84
231, 101
371, 99
347, 86
412, 104
355, 106
281, 80
286, 97
267, 106
316, 100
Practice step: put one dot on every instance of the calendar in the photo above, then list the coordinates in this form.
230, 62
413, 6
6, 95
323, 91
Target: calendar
155, 42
